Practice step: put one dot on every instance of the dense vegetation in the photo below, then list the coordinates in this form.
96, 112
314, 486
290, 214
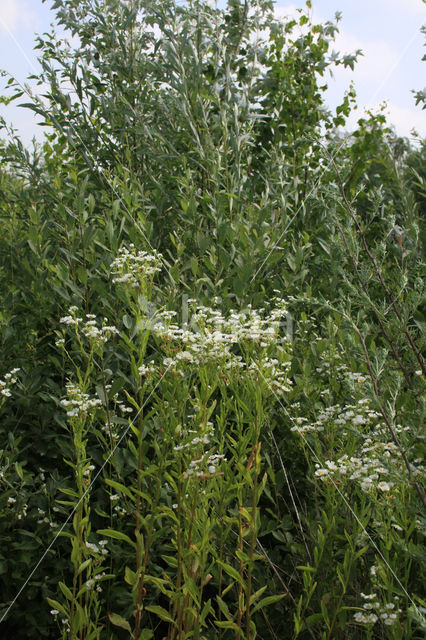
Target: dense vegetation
212, 338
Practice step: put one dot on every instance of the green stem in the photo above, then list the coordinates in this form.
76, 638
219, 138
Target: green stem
139, 561
189, 542
178, 607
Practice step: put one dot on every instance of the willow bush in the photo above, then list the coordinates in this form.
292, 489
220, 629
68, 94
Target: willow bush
212, 338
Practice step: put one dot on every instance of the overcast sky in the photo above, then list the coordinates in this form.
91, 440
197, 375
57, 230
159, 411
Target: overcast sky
388, 32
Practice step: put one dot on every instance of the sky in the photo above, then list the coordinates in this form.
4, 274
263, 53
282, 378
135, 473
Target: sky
387, 31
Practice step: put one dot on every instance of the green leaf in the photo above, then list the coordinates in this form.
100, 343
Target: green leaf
65, 590
119, 621
205, 611
228, 624
231, 572
160, 612
117, 385
324, 245
257, 594
171, 560
130, 576
120, 487
291, 262
83, 566
265, 602
69, 492
223, 607
142, 495
194, 266
190, 588
128, 321
57, 605
361, 552
315, 617
116, 535
19, 471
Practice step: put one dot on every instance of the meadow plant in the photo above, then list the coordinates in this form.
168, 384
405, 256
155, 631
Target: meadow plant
357, 469
198, 461
200, 472
78, 614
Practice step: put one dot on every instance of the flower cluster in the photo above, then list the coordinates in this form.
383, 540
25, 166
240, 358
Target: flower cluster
88, 327
118, 403
195, 440
88, 471
349, 416
72, 319
8, 380
146, 370
43, 519
119, 511
274, 373
117, 508
78, 403
215, 338
22, 509
99, 548
94, 581
111, 430
331, 363
206, 464
248, 326
374, 462
132, 267
373, 610
93, 332
368, 471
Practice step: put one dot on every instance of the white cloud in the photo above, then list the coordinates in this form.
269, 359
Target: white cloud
292, 11
411, 6
288, 11
405, 119
372, 69
9, 13
16, 13
378, 58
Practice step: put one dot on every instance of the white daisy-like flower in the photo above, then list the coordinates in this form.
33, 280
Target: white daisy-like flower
383, 486
321, 472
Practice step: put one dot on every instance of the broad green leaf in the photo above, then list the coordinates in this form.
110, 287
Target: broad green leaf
84, 565
233, 573
160, 612
57, 605
130, 576
119, 621
116, 535
65, 590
